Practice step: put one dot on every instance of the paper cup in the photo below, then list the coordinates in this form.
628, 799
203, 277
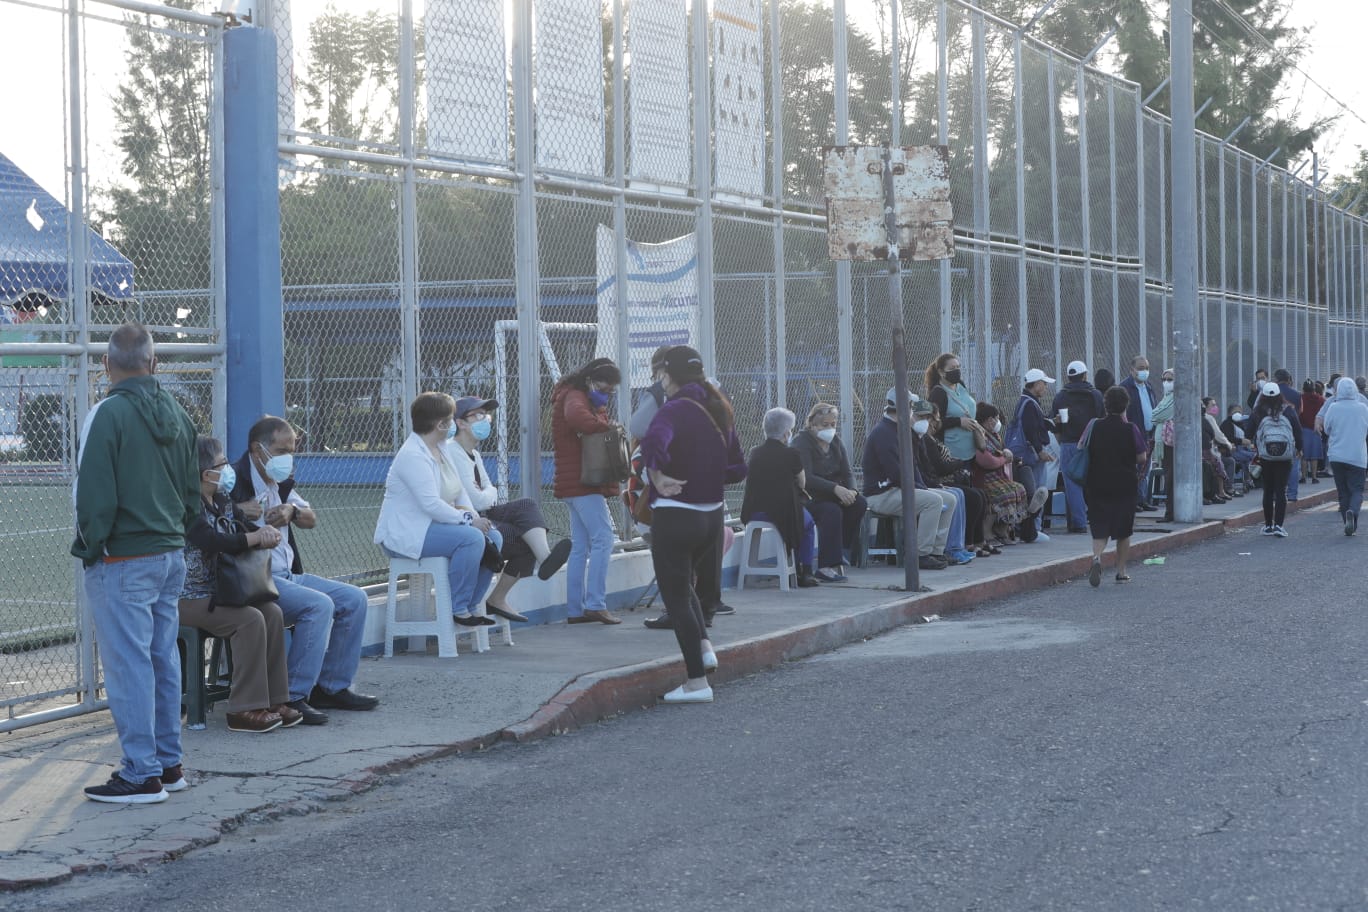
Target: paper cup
1064, 415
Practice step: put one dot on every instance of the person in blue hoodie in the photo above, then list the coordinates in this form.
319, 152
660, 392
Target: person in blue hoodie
1346, 421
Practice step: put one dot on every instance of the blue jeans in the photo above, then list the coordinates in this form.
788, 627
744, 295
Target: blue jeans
463, 547
1076, 509
1293, 479
591, 545
133, 604
1028, 476
329, 621
955, 540
1349, 486
806, 552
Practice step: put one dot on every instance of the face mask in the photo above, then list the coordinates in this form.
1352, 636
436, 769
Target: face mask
952, 377
482, 429
1168, 386
922, 426
279, 468
1237, 417
1213, 411
1142, 376
598, 399
991, 427
451, 431
826, 435
227, 479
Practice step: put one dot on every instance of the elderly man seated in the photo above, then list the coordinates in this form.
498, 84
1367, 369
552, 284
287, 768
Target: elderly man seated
775, 492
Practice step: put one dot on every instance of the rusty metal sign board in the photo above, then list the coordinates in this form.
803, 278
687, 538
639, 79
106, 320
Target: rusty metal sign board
853, 179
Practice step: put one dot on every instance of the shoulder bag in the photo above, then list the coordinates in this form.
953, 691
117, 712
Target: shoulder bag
243, 579
605, 457
1077, 469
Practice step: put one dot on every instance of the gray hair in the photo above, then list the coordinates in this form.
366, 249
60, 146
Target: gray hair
130, 349
208, 449
778, 422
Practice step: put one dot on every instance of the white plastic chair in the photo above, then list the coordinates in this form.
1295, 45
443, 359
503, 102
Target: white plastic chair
418, 621
784, 564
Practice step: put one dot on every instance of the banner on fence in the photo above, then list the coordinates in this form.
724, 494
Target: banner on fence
738, 97
569, 65
658, 104
662, 300
467, 83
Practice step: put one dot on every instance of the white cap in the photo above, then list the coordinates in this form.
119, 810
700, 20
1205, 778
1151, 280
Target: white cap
1035, 375
1076, 368
892, 396
1272, 389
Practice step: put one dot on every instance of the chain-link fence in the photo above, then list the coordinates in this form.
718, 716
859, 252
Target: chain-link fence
478, 196
109, 210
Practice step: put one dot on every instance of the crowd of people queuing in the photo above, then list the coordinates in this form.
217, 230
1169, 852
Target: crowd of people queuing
162, 515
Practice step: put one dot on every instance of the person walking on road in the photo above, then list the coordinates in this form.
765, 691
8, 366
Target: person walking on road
1276, 431
691, 453
137, 490
1346, 421
1073, 407
1116, 448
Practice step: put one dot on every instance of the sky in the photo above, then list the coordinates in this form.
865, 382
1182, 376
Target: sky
32, 121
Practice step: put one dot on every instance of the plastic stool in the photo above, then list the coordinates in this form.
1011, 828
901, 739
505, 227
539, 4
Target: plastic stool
416, 623
784, 565
202, 686
872, 527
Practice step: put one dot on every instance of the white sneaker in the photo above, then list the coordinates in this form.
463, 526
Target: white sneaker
1268, 530
710, 661
1280, 532
680, 695
1042, 537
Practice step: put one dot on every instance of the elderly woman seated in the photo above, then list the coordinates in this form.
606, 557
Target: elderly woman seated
836, 506
775, 492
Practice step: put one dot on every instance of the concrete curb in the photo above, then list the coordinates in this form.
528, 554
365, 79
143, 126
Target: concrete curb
600, 695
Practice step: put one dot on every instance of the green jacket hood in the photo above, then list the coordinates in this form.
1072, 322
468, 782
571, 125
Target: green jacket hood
154, 405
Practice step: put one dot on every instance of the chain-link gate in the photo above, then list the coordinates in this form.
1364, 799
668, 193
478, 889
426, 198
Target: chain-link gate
131, 233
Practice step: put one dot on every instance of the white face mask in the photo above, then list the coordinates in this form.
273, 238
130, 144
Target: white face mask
1237, 417
1168, 386
826, 435
922, 426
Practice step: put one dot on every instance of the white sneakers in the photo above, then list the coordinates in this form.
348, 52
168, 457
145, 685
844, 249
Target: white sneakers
680, 695
709, 661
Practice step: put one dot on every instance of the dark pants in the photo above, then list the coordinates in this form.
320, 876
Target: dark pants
687, 544
1168, 482
1275, 475
1349, 486
975, 503
513, 519
837, 528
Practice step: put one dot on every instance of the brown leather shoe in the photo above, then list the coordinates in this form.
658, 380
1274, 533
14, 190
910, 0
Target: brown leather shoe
257, 721
288, 715
598, 616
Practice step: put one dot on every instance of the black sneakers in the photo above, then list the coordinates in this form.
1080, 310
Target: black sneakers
173, 779
119, 790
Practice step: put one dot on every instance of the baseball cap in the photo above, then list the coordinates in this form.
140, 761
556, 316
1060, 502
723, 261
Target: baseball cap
683, 361
1272, 389
467, 404
1076, 368
1035, 375
922, 407
892, 396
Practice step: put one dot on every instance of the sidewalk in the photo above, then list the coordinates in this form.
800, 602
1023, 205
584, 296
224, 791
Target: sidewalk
555, 678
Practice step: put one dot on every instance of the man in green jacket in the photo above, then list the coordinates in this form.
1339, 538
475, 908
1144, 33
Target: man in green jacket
137, 490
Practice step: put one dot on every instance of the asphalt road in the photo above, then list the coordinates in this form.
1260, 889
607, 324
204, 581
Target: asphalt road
1196, 739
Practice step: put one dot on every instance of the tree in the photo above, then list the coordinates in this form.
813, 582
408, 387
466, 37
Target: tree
351, 86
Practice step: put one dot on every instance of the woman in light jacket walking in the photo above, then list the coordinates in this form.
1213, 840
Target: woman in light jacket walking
427, 513
691, 452
1346, 421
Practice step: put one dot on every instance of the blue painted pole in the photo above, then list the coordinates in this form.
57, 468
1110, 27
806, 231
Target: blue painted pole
255, 316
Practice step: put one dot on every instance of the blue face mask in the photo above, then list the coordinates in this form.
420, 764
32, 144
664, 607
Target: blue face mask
451, 431
278, 468
598, 399
1142, 376
227, 479
482, 429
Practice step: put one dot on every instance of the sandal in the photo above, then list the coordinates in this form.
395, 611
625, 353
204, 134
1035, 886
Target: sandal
985, 551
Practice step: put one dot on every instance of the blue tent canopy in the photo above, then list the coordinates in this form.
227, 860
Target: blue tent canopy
33, 248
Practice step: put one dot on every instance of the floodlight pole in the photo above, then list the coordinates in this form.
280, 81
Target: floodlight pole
906, 457
1187, 493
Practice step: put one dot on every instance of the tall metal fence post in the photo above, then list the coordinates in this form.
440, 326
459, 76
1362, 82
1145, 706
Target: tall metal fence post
983, 260
777, 179
255, 362
1055, 268
703, 183
1085, 214
1115, 238
1223, 285
408, 211
623, 327
1187, 496
1315, 286
1142, 305
1023, 318
845, 335
943, 138
527, 271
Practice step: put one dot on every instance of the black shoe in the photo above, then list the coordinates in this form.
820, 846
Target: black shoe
506, 613
555, 560
119, 790
311, 715
346, 698
806, 580
474, 620
932, 562
660, 623
720, 608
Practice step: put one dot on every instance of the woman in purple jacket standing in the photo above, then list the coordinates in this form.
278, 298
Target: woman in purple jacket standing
691, 452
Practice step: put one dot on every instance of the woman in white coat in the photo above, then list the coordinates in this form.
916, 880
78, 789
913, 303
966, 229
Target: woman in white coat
427, 513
